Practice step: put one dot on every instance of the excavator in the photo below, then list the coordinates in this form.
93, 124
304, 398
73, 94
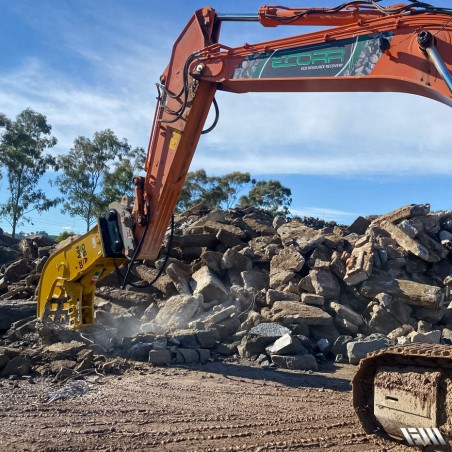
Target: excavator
403, 391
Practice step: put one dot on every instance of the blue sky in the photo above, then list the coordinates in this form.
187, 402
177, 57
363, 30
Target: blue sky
92, 65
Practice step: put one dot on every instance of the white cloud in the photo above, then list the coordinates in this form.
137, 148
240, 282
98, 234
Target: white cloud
325, 213
263, 133
329, 133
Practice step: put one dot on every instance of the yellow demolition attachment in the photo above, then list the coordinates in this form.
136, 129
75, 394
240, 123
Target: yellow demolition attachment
68, 280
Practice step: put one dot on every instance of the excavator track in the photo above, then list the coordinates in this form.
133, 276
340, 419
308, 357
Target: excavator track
406, 387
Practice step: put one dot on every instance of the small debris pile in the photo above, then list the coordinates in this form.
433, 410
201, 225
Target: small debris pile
284, 293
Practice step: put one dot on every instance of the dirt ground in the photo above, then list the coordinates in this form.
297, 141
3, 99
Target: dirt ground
219, 406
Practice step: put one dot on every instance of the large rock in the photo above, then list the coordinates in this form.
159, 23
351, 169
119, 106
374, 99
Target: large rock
297, 362
209, 285
325, 284
180, 279
358, 350
175, 314
347, 313
13, 311
359, 264
305, 237
284, 265
288, 259
433, 337
312, 299
260, 336
7, 254
17, 270
382, 321
234, 260
403, 213
255, 280
410, 292
297, 312
409, 244
286, 345
213, 260
64, 350
278, 295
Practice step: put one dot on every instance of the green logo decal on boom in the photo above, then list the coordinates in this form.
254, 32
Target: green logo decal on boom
345, 57
326, 56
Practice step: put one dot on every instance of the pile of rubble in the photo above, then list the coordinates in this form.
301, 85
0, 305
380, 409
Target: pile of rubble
285, 293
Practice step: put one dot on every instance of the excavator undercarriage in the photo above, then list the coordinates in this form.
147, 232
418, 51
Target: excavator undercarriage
406, 387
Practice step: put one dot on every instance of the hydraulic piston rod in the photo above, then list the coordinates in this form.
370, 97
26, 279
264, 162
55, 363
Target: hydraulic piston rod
427, 43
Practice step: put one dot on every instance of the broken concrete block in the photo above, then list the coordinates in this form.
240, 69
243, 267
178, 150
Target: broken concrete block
359, 226
64, 350
324, 345
220, 315
305, 237
400, 331
325, 284
403, 213
18, 366
209, 285
255, 280
312, 299
233, 259
179, 278
176, 313
347, 313
159, 357
433, 337
286, 345
288, 259
260, 337
13, 311
409, 292
297, 362
382, 321
278, 295
358, 350
359, 264
345, 325
409, 244
208, 338
297, 312
446, 337
140, 351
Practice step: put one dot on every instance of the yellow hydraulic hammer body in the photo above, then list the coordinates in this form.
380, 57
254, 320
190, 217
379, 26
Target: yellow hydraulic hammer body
68, 280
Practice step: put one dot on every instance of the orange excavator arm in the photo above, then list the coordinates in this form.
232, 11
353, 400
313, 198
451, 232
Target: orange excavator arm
405, 48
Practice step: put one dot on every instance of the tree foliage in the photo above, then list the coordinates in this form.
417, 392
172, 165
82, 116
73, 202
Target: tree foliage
269, 195
118, 182
83, 169
212, 191
22, 146
223, 192
63, 236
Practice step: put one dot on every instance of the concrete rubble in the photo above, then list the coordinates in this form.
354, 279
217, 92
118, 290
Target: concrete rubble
244, 285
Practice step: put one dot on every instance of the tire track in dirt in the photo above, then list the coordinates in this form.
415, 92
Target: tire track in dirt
181, 409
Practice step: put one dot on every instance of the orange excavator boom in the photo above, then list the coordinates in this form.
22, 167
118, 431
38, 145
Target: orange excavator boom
401, 48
